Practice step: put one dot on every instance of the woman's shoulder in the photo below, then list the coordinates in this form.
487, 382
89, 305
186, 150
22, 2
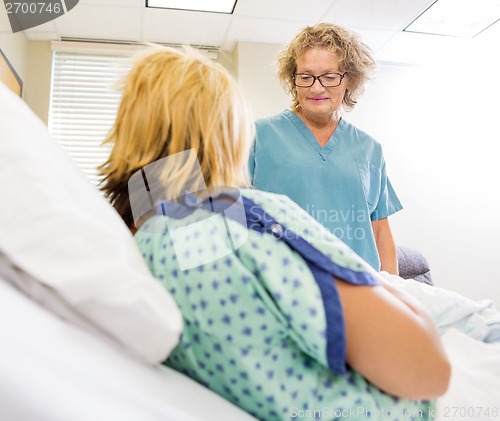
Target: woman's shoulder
284, 210
355, 132
268, 199
279, 206
362, 139
274, 120
293, 217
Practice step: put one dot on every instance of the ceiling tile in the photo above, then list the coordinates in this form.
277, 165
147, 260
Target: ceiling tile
376, 14
42, 36
215, 6
492, 34
185, 27
379, 23
411, 48
101, 22
130, 3
374, 38
269, 31
294, 10
46, 27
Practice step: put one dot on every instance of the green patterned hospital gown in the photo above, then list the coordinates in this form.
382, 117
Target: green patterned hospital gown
254, 320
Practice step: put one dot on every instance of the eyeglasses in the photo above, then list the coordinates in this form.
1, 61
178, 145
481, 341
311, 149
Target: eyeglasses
327, 80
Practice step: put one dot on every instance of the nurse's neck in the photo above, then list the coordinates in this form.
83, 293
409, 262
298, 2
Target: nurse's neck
321, 126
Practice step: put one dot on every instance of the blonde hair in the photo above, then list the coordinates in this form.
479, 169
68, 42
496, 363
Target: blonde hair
355, 59
174, 101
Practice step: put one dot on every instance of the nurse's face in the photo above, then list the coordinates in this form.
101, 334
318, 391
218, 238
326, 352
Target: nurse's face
318, 102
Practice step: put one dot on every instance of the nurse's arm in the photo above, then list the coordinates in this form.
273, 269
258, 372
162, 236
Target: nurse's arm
392, 342
386, 246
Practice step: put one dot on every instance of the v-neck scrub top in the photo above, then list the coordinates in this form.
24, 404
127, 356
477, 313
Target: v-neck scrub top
343, 185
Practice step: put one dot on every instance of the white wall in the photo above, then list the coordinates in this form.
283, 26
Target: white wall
37, 93
438, 124
256, 75
14, 46
32, 62
439, 128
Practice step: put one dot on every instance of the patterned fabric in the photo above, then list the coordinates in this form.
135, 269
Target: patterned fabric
256, 320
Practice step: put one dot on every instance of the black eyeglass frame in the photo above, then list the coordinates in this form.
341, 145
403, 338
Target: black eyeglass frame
319, 79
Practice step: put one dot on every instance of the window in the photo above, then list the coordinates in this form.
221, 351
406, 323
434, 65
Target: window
83, 100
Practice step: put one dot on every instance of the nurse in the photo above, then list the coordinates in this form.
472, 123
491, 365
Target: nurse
280, 317
333, 170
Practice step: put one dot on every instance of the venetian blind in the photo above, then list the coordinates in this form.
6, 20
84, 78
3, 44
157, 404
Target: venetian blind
84, 102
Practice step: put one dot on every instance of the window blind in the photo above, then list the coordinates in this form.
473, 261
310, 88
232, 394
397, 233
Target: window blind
83, 103
83, 99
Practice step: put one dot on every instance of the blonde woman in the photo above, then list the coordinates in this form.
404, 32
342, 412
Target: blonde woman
282, 319
333, 170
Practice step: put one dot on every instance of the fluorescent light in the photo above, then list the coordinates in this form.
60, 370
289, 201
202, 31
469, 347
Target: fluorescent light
458, 18
217, 6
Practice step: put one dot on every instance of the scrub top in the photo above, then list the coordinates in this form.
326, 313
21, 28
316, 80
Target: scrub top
260, 328
343, 185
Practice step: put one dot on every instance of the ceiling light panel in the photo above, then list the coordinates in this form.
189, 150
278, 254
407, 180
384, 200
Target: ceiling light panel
459, 18
216, 6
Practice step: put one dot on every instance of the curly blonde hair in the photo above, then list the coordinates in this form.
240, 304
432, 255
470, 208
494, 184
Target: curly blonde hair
174, 101
355, 59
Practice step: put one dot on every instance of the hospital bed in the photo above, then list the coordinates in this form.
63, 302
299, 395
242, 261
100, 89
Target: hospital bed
84, 325
52, 370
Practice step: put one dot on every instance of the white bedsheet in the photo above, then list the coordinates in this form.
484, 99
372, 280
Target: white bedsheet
474, 392
53, 371
465, 325
450, 310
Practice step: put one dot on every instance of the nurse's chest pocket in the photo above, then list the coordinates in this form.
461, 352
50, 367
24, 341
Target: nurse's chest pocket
371, 180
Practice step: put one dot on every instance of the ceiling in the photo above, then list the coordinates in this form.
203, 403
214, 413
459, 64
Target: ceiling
379, 22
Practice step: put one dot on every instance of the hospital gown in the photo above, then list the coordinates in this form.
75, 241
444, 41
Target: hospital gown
257, 324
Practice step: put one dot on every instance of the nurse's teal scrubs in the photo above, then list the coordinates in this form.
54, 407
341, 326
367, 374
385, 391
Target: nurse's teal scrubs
343, 185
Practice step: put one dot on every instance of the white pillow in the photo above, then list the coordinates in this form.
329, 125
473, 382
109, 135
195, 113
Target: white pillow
52, 371
56, 227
